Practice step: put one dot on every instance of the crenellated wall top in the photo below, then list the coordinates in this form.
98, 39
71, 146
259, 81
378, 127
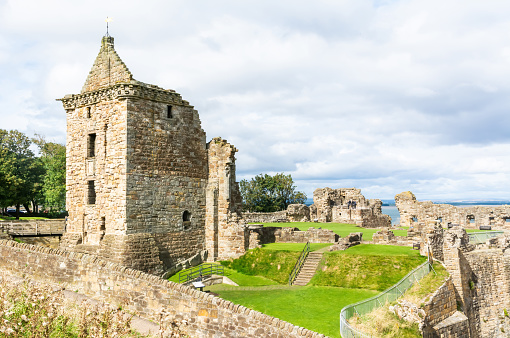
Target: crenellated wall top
121, 91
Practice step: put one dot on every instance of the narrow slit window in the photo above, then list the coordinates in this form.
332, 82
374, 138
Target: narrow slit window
91, 192
88, 113
169, 112
92, 145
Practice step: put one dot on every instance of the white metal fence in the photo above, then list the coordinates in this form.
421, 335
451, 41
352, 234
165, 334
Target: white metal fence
391, 294
481, 237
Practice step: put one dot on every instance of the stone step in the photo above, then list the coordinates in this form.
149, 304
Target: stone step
308, 269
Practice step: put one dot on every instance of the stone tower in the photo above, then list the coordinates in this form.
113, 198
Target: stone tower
143, 188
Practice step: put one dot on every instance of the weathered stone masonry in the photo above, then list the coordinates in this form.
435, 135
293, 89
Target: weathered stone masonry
422, 214
139, 173
208, 316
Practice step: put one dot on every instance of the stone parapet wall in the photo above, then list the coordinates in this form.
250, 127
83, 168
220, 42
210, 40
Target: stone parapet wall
136, 291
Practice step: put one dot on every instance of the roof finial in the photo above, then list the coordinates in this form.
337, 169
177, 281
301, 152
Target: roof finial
108, 19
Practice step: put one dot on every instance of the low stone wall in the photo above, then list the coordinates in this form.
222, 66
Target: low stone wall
263, 235
146, 294
265, 217
312, 235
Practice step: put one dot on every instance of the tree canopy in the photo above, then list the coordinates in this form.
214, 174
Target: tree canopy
26, 179
266, 193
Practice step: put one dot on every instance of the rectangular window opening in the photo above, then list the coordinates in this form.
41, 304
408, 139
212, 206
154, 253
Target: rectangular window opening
88, 113
92, 145
103, 224
169, 112
91, 193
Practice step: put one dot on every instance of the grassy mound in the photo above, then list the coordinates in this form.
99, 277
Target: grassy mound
275, 265
366, 266
340, 229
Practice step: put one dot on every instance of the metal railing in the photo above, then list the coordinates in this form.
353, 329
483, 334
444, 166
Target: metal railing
387, 296
203, 270
35, 228
481, 237
299, 264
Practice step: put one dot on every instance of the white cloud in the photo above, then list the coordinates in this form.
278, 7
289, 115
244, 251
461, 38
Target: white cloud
386, 96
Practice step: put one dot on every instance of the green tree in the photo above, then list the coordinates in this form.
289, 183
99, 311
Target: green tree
20, 171
266, 193
53, 159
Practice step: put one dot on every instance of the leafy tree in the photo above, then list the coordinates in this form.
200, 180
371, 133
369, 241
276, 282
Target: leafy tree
20, 171
53, 159
266, 193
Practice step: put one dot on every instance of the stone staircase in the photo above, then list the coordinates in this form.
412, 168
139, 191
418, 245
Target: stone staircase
308, 269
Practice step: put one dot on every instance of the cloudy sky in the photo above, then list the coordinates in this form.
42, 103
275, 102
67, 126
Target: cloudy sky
386, 96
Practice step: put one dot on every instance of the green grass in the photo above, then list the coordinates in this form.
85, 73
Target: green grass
293, 246
316, 308
340, 229
8, 218
237, 277
275, 265
429, 284
366, 266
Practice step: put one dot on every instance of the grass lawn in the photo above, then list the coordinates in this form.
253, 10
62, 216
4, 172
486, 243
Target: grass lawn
294, 246
313, 307
8, 218
340, 229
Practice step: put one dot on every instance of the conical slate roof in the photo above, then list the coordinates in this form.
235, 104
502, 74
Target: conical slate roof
108, 69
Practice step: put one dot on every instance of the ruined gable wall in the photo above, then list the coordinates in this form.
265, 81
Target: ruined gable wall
166, 177
139, 292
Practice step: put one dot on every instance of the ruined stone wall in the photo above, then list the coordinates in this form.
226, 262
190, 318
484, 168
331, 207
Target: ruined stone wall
347, 205
482, 282
413, 212
312, 235
136, 291
226, 234
298, 213
265, 217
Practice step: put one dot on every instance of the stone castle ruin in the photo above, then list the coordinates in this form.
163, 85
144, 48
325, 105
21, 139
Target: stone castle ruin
420, 214
345, 205
144, 188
